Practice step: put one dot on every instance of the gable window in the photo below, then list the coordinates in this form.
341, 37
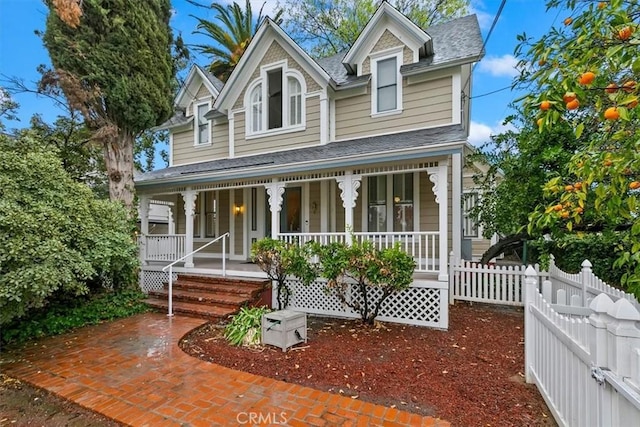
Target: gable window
256, 109
386, 82
387, 85
295, 102
202, 127
274, 81
275, 101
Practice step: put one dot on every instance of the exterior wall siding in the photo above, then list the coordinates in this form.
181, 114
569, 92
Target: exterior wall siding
424, 104
276, 53
265, 144
185, 152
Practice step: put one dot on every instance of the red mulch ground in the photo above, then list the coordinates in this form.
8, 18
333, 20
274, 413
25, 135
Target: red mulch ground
470, 375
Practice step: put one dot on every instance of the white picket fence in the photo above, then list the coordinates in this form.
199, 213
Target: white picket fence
587, 368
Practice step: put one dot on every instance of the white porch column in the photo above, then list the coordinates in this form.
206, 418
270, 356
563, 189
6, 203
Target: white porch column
189, 198
456, 205
349, 184
143, 210
440, 190
275, 190
324, 206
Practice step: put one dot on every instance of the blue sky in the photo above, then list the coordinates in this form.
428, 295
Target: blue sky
21, 51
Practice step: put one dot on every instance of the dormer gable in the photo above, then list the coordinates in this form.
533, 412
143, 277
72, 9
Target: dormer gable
387, 29
198, 84
268, 33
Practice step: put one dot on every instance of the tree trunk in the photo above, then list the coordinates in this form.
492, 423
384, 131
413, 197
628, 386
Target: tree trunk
118, 158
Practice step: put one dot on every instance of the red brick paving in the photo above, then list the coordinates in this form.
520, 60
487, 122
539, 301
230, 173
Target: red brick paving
133, 371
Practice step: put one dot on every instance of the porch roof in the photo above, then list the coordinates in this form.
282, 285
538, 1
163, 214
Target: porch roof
353, 152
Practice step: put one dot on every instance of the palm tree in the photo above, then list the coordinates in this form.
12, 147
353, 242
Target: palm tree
231, 37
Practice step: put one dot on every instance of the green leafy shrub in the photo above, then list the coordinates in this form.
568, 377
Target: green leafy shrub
67, 313
245, 327
58, 239
278, 260
376, 274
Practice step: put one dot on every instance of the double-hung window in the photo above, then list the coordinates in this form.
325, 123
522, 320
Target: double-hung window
386, 83
391, 201
202, 125
470, 221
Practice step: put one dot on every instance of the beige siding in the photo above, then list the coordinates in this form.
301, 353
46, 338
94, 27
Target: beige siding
424, 104
387, 41
203, 93
185, 152
314, 198
265, 144
276, 53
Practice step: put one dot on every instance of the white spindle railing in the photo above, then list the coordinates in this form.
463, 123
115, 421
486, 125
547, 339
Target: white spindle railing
170, 266
422, 246
164, 247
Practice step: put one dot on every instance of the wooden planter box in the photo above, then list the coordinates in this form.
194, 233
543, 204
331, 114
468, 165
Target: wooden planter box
284, 328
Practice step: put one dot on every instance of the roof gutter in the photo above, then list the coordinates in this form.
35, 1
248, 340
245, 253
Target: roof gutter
441, 66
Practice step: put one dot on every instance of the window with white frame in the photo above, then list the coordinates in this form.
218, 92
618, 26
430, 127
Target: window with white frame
275, 101
470, 227
391, 201
386, 83
202, 125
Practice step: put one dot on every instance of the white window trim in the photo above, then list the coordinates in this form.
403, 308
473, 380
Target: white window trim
196, 127
374, 58
479, 227
286, 128
389, 203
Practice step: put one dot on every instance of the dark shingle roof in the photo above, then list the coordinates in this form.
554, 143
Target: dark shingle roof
178, 119
329, 153
216, 82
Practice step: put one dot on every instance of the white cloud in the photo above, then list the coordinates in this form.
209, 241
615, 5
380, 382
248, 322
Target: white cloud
484, 18
500, 66
480, 133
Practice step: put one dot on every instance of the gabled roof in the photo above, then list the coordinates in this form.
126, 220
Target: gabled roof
386, 12
196, 75
337, 154
253, 55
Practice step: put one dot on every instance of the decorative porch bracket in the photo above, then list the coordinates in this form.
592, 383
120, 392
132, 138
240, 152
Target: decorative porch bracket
144, 227
349, 185
438, 176
275, 190
189, 198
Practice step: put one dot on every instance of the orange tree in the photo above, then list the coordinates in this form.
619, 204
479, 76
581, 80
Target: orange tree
585, 73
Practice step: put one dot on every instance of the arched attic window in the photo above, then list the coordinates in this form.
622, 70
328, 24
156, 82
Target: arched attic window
295, 101
256, 108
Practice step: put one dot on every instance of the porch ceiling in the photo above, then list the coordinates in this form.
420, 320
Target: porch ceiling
433, 141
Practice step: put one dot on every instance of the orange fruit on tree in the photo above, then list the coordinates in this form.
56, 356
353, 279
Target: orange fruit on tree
568, 188
607, 163
577, 185
568, 97
568, 21
634, 185
587, 78
629, 86
572, 105
557, 207
611, 88
564, 214
542, 62
625, 33
602, 5
612, 113
578, 210
545, 105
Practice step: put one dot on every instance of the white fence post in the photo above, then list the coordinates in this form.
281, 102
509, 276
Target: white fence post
585, 279
599, 320
530, 290
624, 336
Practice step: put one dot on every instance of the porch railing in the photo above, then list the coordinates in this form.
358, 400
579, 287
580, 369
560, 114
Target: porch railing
169, 267
164, 247
423, 246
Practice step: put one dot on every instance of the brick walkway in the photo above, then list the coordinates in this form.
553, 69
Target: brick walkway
133, 371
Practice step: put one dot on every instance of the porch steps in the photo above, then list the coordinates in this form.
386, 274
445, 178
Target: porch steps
209, 297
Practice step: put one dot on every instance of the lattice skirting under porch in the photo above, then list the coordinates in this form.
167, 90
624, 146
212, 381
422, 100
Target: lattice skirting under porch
421, 304
154, 280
